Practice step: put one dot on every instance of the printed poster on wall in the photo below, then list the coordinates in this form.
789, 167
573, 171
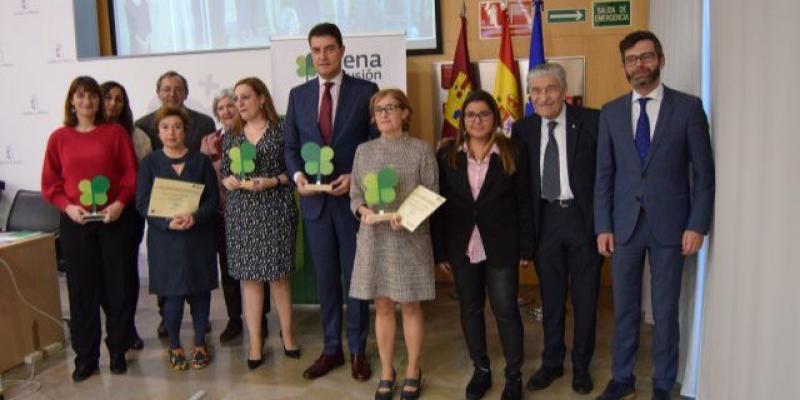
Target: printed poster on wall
520, 15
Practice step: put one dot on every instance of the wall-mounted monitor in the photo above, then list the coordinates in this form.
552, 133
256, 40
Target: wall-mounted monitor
143, 27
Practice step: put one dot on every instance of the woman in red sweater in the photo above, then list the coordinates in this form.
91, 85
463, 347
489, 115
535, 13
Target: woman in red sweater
89, 165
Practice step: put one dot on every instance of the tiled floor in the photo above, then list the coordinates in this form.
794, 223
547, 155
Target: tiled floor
445, 362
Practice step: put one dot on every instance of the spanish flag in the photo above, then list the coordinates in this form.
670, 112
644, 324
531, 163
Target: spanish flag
461, 82
506, 82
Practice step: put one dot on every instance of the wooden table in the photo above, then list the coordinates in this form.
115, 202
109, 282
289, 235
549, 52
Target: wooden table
23, 330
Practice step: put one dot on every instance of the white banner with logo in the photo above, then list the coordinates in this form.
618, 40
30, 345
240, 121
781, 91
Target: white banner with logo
380, 58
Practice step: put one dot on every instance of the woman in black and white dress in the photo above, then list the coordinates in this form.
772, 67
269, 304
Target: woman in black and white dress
260, 216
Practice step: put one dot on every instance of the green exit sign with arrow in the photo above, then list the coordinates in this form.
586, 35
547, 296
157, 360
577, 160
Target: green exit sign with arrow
566, 15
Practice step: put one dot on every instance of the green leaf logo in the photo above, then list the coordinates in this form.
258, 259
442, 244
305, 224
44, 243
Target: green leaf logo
380, 187
305, 67
94, 192
243, 158
318, 159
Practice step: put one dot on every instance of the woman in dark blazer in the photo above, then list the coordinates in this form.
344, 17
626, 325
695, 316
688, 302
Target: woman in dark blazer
482, 235
181, 251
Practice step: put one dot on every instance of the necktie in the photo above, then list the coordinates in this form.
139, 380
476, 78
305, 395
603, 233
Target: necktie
642, 138
325, 114
551, 176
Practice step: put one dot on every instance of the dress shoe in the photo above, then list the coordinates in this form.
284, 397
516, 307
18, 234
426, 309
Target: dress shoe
512, 390
233, 329
359, 367
618, 391
324, 364
479, 384
660, 394
544, 377
83, 371
162, 330
582, 381
136, 341
118, 364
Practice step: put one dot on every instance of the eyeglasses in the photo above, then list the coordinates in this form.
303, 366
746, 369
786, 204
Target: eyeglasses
483, 115
389, 108
646, 58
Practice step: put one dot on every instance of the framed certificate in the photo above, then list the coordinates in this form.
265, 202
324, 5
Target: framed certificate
171, 197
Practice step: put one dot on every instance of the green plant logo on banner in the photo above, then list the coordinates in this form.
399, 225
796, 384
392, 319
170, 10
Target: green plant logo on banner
305, 67
379, 188
94, 192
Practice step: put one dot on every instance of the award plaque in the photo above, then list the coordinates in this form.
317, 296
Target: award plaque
94, 193
318, 162
379, 192
243, 162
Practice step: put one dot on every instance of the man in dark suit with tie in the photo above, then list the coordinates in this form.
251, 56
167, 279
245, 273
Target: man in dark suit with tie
172, 90
562, 141
331, 110
654, 196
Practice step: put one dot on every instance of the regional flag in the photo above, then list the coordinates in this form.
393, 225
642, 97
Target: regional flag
460, 81
506, 82
536, 53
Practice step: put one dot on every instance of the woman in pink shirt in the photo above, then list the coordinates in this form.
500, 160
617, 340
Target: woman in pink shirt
481, 235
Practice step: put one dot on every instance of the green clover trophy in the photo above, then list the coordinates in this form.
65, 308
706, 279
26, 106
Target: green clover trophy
243, 162
94, 193
318, 163
379, 192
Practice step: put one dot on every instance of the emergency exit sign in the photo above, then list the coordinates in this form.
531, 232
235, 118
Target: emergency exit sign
611, 13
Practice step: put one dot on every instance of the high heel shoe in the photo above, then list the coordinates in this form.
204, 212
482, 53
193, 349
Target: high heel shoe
414, 383
253, 364
386, 387
294, 353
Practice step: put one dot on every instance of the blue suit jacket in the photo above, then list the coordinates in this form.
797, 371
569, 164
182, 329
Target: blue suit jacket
673, 199
351, 127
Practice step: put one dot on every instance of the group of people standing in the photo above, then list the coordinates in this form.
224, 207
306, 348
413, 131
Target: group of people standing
570, 186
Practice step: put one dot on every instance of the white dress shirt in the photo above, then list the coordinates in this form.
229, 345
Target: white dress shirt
653, 106
560, 134
337, 84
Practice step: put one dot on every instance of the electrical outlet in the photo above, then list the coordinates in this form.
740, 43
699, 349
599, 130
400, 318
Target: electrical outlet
34, 356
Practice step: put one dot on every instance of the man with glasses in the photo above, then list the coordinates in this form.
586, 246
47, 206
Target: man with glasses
654, 196
561, 141
332, 110
172, 90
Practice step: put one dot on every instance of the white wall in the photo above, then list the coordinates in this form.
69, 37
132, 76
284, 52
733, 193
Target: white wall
752, 309
37, 63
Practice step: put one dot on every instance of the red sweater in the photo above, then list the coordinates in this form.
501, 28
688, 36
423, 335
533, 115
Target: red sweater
72, 156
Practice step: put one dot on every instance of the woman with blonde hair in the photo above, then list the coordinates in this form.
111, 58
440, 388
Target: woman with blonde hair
260, 216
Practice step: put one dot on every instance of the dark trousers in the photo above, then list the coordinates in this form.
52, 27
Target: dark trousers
332, 245
567, 258
200, 305
473, 282
97, 277
137, 233
666, 271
